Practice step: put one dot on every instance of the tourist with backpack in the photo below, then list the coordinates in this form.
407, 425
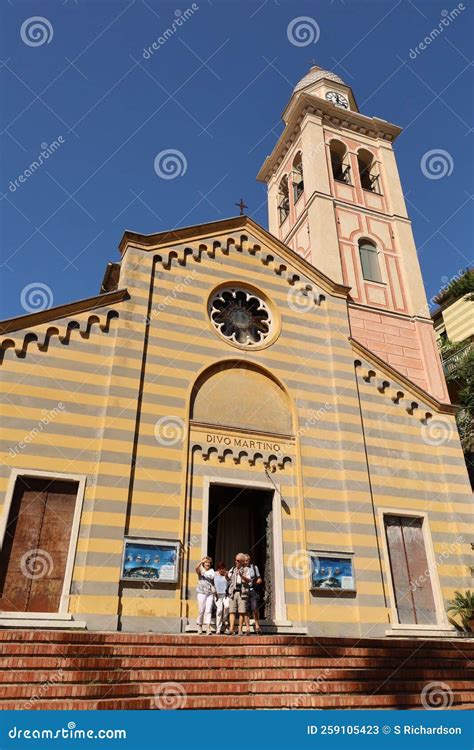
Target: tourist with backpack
238, 591
254, 599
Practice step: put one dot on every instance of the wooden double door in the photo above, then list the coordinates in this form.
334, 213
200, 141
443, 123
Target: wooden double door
35, 549
412, 576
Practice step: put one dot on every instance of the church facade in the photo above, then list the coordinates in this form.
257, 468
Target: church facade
233, 389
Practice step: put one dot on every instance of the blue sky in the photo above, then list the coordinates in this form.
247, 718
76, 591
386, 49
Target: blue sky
214, 91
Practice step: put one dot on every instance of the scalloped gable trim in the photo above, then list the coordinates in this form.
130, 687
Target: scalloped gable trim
211, 230
391, 372
62, 311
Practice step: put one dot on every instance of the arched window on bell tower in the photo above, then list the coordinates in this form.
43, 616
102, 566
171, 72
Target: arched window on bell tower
283, 200
369, 261
368, 175
341, 170
297, 177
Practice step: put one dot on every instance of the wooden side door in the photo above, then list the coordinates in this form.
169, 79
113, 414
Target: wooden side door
411, 579
34, 554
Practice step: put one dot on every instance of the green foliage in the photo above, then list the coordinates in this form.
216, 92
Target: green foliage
463, 606
458, 288
463, 375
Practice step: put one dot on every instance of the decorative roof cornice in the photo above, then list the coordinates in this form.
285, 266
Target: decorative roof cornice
307, 104
62, 311
167, 241
392, 373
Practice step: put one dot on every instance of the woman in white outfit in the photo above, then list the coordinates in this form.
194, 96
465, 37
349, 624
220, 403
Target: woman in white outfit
205, 593
222, 600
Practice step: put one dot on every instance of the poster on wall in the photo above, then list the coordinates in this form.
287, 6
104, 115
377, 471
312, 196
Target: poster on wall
150, 560
332, 572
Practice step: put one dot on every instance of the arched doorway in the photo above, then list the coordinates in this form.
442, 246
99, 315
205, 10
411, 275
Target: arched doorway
242, 444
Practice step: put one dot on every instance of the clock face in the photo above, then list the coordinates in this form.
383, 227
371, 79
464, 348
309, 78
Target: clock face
338, 99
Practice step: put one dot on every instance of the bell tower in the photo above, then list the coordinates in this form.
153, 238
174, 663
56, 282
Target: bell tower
335, 198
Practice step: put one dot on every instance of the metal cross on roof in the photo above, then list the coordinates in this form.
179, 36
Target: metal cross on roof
241, 205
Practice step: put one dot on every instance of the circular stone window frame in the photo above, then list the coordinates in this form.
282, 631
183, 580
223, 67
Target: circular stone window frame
275, 320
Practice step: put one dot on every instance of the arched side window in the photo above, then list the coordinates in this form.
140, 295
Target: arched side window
369, 178
283, 199
369, 260
297, 177
341, 170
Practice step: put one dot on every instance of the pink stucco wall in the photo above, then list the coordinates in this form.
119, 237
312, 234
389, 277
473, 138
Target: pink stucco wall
407, 345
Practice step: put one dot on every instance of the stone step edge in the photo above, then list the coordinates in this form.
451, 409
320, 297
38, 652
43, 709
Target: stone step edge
245, 687
209, 702
201, 675
25, 636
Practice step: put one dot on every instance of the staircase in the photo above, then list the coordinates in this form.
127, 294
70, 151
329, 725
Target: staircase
58, 669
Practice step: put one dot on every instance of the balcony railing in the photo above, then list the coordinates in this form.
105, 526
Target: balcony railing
452, 362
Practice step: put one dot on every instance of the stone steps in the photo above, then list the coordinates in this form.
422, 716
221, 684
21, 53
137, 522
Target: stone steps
114, 688
57, 669
203, 702
29, 677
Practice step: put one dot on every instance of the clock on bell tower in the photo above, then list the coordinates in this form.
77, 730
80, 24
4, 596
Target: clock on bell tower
335, 198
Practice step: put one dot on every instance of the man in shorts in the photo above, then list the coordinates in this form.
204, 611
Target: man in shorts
238, 593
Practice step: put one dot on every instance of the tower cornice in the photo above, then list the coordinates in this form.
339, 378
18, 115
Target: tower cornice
308, 104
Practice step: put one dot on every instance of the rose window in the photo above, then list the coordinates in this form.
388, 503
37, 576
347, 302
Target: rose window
240, 316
